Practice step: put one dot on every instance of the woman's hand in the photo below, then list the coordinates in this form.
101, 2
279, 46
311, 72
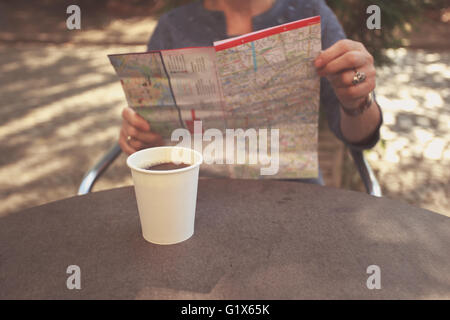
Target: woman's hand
339, 64
135, 133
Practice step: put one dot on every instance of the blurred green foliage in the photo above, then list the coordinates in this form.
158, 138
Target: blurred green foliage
398, 18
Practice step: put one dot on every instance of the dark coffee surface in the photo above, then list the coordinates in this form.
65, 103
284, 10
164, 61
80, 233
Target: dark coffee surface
167, 166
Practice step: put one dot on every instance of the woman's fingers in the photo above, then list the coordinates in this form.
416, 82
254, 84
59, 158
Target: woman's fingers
351, 95
344, 79
145, 137
138, 129
348, 61
135, 119
130, 144
124, 144
335, 51
135, 133
339, 64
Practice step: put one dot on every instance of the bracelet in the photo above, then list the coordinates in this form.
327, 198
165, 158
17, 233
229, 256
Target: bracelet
361, 108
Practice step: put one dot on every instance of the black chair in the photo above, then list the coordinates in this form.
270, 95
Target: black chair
367, 176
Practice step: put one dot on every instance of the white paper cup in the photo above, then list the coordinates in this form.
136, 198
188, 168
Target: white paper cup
166, 199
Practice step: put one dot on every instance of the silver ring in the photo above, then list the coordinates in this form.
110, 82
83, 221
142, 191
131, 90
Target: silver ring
128, 138
359, 77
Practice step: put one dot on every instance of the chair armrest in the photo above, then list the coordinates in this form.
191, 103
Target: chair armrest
365, 171
97, 170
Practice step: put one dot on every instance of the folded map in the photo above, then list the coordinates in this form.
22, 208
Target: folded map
262, 80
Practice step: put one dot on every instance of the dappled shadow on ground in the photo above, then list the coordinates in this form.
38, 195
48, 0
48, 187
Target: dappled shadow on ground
413, 157
60, 112
23, 17
102, 22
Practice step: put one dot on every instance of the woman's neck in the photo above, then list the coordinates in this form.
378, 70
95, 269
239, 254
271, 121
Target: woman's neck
239, 13
241, 7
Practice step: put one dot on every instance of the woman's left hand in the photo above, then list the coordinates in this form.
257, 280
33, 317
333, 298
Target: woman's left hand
339, 64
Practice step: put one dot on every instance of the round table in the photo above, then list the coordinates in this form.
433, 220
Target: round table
253, 240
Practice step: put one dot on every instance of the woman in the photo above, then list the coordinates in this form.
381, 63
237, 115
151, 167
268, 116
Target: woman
346, 68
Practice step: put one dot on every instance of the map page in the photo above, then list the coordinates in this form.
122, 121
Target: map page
268, 80
170, 88
263, 80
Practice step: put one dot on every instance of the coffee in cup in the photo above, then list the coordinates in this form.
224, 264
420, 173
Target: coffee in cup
167, 166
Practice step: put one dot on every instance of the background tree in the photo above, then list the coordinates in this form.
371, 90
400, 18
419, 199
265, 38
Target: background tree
398, 19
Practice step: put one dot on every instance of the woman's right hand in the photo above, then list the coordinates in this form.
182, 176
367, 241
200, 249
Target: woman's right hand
136, 134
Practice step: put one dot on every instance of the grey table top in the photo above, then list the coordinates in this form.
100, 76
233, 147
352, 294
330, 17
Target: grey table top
253, 240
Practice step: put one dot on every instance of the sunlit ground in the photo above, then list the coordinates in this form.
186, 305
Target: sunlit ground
60, 111
413, 159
